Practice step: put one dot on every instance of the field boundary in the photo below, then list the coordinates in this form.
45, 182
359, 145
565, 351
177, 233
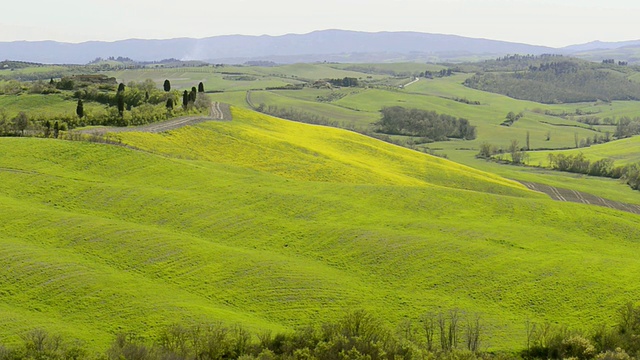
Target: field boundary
560, 194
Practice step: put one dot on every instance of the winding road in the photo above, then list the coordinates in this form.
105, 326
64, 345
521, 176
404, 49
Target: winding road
218, 112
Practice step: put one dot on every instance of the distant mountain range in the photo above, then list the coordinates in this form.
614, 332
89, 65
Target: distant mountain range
325, 45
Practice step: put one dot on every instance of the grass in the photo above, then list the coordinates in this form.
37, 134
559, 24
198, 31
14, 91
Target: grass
359, 108
45, 106
623, 152
36, 104
277, 224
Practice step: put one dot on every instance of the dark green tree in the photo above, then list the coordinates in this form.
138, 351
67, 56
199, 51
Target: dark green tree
80, 109
201, 87
185, 99
121, 87
56, 129
120, 101
167, 85
193, 95
169, 104
47, 128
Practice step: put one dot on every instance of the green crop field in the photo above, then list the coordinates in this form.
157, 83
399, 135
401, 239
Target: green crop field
275, 224
41, 105
623, 152
359, 108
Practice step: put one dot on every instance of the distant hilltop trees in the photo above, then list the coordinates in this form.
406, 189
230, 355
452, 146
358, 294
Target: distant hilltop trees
613, 62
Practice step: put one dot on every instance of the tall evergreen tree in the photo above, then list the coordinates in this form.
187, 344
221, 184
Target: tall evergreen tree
169, 104
47, 128
80, 109
193, 95
201, 87
167, 85
185, 99
121, 87
120, 100
56, 129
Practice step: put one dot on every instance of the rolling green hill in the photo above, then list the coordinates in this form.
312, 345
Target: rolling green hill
623, 152
275, 224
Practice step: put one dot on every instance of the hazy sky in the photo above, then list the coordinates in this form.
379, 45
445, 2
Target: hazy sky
539, 22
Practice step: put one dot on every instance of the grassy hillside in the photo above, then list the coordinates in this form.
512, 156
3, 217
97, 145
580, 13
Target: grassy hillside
623, 152
275, 224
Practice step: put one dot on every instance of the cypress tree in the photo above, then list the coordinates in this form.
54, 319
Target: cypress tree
170, 104
120, 99
47, 128
121, 87
185, 99
167, 85
80, 109
193, 95
56, 129
201, 87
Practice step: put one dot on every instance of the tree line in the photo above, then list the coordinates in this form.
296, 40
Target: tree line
344, 82
576, 163
358, 335
579, 164
430, 125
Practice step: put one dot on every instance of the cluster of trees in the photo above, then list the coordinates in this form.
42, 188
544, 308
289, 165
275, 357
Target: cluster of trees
432, 74
430, 125
344, 82
518, 154
464, 100
558, 68
357, 336
613, 62
15, 126
558, 82
512, 118
627, 127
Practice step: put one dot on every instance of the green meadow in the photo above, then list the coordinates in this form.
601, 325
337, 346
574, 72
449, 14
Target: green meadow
274, 225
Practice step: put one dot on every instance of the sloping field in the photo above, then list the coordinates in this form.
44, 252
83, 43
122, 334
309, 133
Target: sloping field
275, 224
623, 152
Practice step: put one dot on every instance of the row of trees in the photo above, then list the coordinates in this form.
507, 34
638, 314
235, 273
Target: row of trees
132, 104
512, 118
432, 74
345, 82
357, 336
430, 125
578, 163
613, 62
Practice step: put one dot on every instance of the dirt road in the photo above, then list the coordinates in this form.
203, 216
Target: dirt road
218, 112
560, 194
